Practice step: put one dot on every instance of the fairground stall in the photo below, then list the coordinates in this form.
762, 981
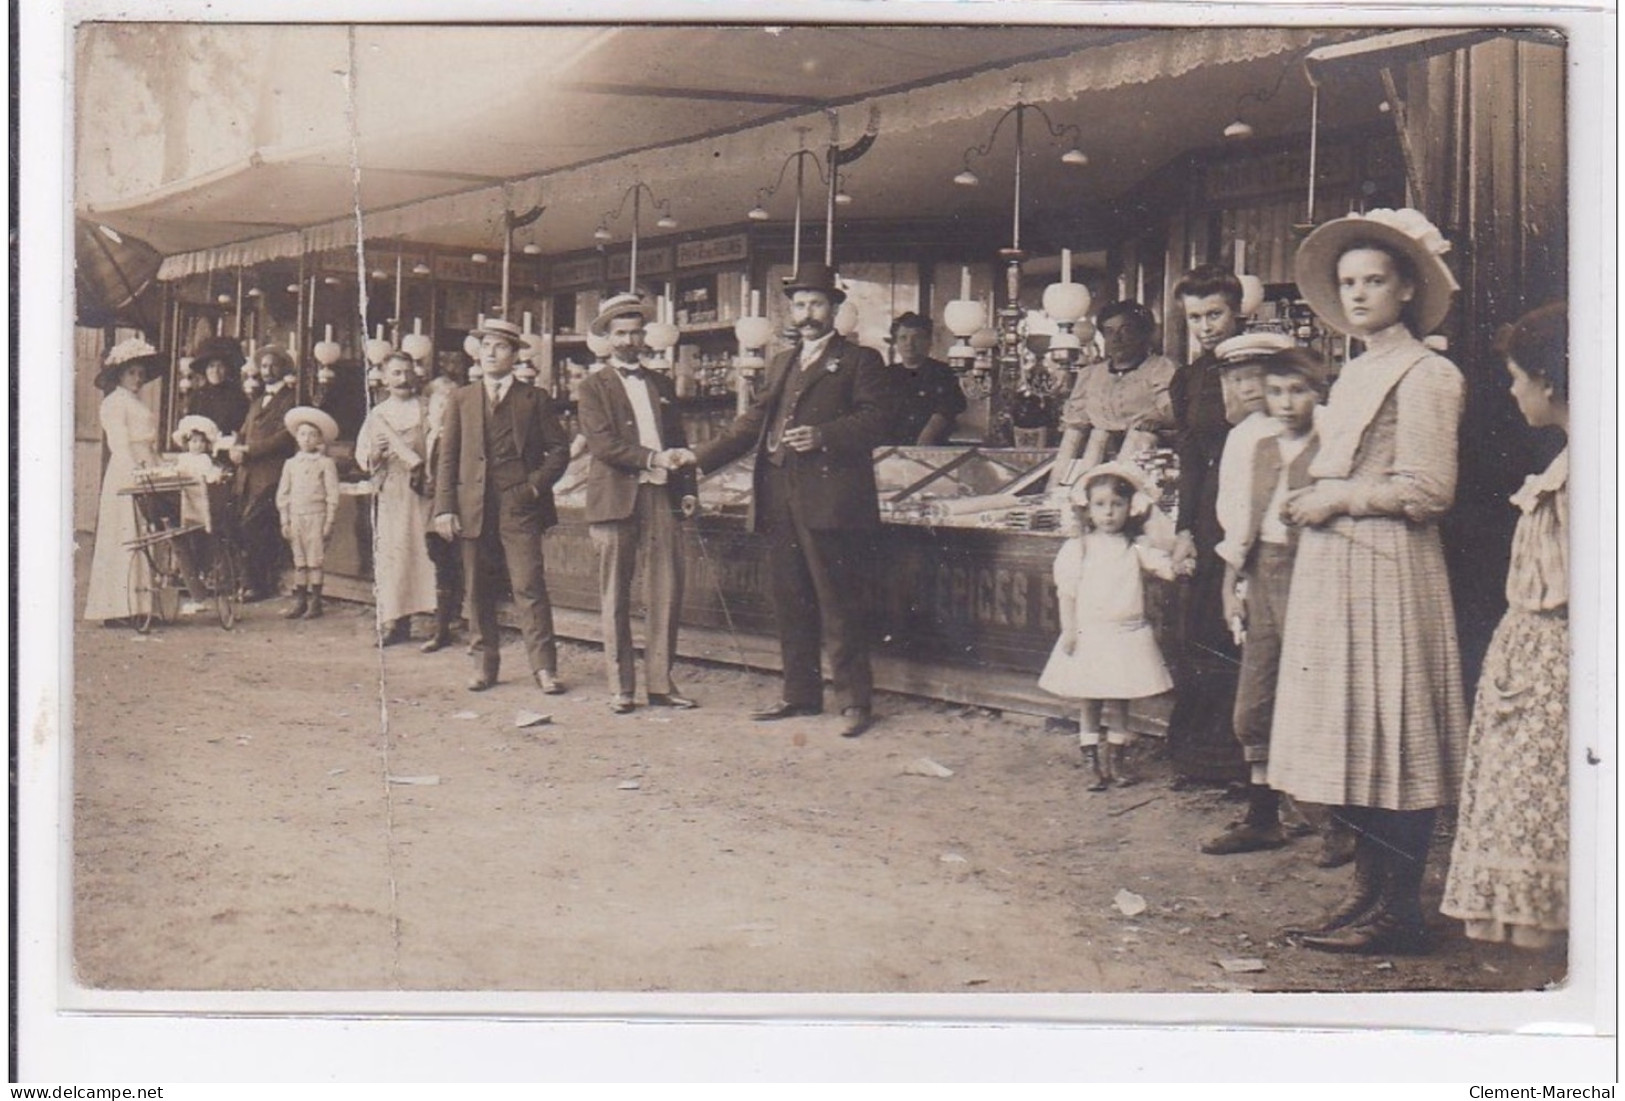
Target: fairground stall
1004, 181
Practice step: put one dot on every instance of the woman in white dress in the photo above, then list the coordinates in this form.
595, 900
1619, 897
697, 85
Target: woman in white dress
131, 430
392, 447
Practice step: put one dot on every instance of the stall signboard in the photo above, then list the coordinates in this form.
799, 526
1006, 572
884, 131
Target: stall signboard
712, 250
652, 261
1273, 173
569, 274
463, 269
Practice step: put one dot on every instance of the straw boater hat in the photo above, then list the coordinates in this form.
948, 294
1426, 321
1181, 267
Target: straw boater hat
127, 353
815, 277
309, 414
196, 422
1406, 232
626, 304
500, 327
1144, 494
1238, 351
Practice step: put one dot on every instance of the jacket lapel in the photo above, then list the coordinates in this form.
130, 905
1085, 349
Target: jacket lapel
825, 366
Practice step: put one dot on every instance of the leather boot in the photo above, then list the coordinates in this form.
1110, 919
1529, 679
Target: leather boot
1395, 926
315, 609
1259, 831
1092, 762
1370, 876
444, 610
300, 605
400, 630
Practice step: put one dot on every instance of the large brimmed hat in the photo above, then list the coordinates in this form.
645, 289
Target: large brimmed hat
227, 350
127, 353
502, 328
1144, 494
196, 422
1408, 233
309, 414
1249, 348
621, 305
815, 277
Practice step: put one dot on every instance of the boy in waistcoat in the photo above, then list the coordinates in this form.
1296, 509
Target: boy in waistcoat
1255, 477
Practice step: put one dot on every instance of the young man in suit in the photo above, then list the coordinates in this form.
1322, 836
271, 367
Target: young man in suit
636, 493
263, 445
824, 407
501, 451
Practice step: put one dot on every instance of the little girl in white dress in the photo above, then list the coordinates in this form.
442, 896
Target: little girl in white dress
1106, 654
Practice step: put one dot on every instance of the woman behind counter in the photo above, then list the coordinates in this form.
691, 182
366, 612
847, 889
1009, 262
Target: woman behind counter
1509, 868
1369, 716
392, 446
1118, 402
131, 430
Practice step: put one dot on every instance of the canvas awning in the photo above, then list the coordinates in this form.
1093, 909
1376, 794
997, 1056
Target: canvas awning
448, 127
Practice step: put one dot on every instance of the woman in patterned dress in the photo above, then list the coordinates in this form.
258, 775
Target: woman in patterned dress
1369, 714
391, 446
1508, 876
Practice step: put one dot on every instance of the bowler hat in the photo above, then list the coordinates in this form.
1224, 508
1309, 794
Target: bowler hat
815, 277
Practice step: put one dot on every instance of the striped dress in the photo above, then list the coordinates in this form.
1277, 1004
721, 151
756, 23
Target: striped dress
1509, 865
1369, 709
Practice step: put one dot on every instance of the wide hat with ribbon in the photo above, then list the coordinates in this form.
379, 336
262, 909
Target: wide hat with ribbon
196, 422
227, 350
501, 328
1144, 493
1408, 233
309, 414
621, 305
815, 277
128, 353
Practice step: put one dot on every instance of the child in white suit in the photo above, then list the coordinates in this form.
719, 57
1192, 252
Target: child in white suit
307, 500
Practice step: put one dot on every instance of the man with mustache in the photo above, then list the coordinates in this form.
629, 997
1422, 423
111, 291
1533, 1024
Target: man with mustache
824, 407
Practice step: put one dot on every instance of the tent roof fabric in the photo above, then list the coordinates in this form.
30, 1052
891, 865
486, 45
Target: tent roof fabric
399, 141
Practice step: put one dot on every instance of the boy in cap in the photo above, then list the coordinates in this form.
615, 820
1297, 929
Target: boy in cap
307, 500
1265, 459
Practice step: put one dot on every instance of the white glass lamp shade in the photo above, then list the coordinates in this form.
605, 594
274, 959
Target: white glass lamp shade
325, 374
1065, 341
598, 345
471, 346
251, 369
417, 345
375, 376
984, 339
1066, 301
1084, 329
185, 366
1077, 158
964, 316
661, 335
846, 318
376, 350
185, 383
533, 347
753, 332
524, 371
1252, 294
327, 352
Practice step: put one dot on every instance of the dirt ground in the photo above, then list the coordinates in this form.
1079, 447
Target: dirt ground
283, 807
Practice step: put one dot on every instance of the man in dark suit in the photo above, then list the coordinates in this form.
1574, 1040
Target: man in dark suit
501, 451
825, 406
634, 499
263, 445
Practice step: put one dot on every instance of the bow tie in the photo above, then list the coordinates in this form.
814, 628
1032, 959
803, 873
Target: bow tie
638, 372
